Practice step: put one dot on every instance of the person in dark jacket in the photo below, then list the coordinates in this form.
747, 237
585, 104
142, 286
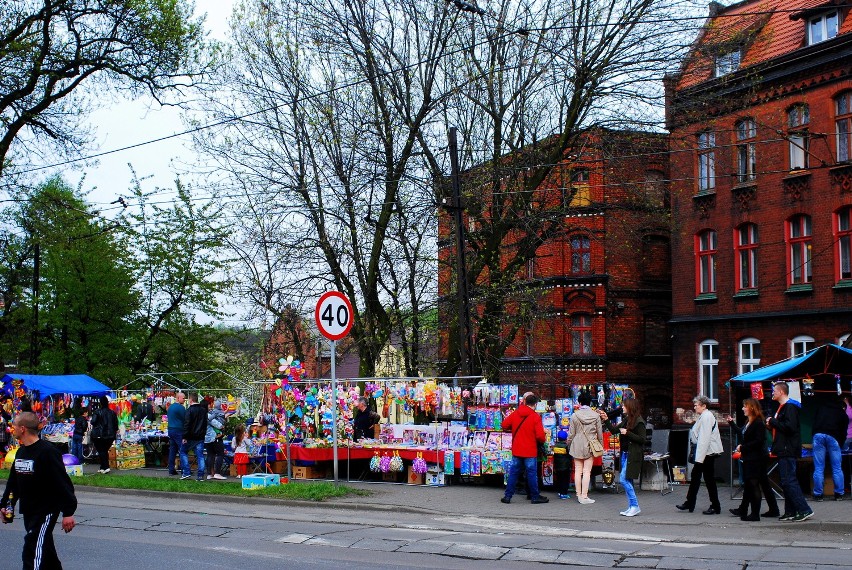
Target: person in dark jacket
176, 415
194, 431
81, 424
829, 435
43, 490
787, 447
632, 443
752, 452
527, 432
104, 427
145, 411
561, 465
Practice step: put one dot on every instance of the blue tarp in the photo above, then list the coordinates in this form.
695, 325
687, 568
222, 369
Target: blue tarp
77, 384
826, 359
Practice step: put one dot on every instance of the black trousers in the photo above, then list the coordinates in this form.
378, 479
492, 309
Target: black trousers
39, 550
102, 444
561, 480
752, 488
708, 471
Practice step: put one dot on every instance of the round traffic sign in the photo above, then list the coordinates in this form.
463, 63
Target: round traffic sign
333, 315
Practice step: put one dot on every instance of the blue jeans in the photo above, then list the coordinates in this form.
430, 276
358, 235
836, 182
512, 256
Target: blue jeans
527, 464
77, 447
198, 448
632, 501
825, 443
175, 443
794, 499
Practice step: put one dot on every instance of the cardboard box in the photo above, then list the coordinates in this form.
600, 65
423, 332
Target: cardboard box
414, 478
435, 478
74, 470
233, 470
392, 476
279, 467
260, 481
308, 473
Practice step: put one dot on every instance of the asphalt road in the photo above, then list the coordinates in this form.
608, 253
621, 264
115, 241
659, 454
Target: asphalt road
139, 532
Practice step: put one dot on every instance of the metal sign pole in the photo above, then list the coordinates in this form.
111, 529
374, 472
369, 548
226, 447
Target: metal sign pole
334, 405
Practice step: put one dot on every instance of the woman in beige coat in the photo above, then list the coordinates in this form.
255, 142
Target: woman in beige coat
585, 426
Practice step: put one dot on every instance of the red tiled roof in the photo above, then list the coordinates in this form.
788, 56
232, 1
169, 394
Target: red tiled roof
765, 27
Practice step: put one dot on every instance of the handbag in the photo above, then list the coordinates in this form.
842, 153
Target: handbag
596, 447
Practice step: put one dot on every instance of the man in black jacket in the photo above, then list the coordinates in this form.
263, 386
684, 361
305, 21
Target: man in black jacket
43, 489
787, 447
194, 430
829, 430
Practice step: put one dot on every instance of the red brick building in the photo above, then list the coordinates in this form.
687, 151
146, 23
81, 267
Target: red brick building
760, 117
601, 281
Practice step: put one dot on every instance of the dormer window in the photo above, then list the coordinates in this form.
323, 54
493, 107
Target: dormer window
822, 27
728, 63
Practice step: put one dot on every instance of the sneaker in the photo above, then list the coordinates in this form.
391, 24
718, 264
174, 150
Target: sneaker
563, 497
624, 512
505, 501
219, 477
585, 500
803, 516
540, 500
632, 511
786, 517
184, 477
105, 471
818, 498
209, 477
100, 470
838, 497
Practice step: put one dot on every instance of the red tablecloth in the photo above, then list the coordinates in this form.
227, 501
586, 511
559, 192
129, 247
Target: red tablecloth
298, 453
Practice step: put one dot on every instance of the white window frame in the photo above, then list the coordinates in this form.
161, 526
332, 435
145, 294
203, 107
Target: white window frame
746, 154
746, 355
801, 344
706, 162
843, 239
728, 62
843, 125
708, 369
798, 119
821, 28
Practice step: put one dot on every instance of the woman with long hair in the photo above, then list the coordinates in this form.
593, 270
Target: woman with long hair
585, 427
632, 440
753, 456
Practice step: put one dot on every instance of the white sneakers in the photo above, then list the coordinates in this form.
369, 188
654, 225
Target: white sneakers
209, 477
585, 500
104, 471
631, 512
218, 476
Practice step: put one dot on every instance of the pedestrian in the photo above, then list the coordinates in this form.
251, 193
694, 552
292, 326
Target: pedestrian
81, 425
829, 429
176, 414
527, 432
705, 445
752, 452
43, 490
194, 431
787, 447
585, 428
632, 438
213, 441
145, 411
104, 428
239, 444
561, 465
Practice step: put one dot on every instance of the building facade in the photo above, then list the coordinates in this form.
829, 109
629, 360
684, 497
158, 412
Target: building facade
760, 117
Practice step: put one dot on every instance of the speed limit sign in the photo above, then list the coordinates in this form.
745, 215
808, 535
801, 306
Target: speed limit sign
333, 315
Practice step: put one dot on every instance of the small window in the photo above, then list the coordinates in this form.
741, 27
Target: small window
749, 355
798, 118
706, 162
728, 63
581, 255
822, 27
581, 334
843, 124
705, 250
799, 248
746, 154
708, 366
800, 345
843, 239
745, 244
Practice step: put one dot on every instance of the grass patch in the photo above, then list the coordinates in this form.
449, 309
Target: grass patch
301, 491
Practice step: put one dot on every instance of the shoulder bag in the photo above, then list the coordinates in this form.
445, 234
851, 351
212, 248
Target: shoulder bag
595, 446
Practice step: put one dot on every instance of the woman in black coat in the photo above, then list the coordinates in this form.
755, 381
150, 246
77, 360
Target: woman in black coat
753, 455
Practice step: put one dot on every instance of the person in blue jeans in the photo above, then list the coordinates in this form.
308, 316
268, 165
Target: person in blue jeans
176, 413
632, 443
194, 430
787, 447
527, 432
829, 431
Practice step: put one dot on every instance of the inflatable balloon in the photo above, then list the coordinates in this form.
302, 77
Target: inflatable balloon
69, 460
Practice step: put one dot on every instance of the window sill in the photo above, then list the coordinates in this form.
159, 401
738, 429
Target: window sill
706, 298
745, 185
802, 289
845, 284
747, 294
704, 193
797, 173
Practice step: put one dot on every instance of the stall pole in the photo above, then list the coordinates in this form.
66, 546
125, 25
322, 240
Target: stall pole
334, 406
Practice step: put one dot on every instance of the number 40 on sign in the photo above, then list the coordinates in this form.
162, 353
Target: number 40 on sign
333, 315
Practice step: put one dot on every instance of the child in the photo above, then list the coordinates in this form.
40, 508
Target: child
241, 456
561, 464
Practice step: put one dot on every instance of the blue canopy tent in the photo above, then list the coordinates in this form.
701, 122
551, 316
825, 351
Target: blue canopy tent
827, 359
77, 384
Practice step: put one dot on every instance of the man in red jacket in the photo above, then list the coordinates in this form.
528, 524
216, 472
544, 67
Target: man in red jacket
527, 432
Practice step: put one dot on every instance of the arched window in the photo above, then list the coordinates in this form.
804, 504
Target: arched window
799, 246
843, 123
705, 266
746, 155
749, 355
843, 239
581, 334
708, 366
581, 254
800, 345
798, 118
745, 244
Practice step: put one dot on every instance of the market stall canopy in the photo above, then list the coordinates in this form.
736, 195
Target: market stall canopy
826, 359
77, 384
